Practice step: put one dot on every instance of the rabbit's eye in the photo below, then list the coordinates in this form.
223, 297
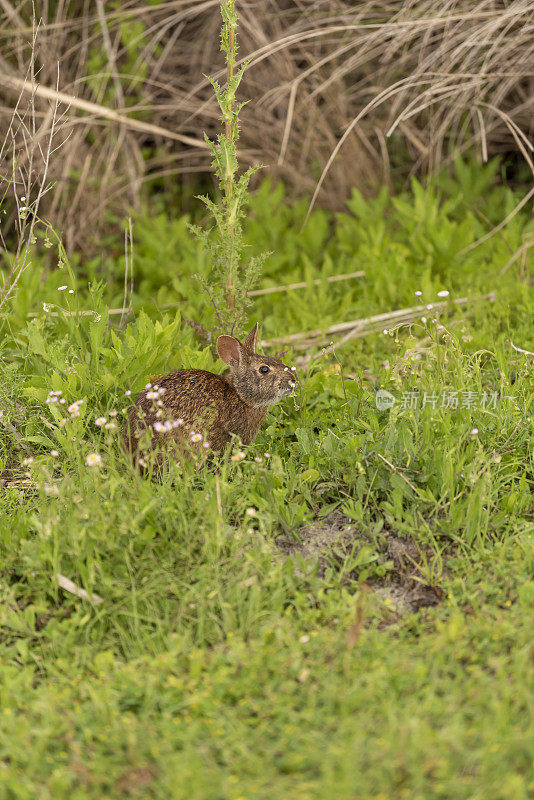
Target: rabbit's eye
264, 369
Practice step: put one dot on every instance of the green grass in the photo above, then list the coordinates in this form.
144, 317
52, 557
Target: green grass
217, 665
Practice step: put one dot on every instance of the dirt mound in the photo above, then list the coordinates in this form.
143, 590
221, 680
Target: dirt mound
403, 587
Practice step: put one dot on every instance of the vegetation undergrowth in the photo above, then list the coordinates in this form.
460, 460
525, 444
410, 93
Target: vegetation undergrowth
217, 665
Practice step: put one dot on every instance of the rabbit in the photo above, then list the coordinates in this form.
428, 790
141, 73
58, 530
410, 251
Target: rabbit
183, 405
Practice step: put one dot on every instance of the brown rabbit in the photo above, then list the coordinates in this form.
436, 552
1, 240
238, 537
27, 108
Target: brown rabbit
186, 403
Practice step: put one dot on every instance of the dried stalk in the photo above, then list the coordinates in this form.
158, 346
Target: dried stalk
467, 81
363, 327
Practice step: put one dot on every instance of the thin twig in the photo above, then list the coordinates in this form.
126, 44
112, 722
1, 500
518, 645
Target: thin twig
73, 588
17, 84
128, 268
520, 350
500, 226
399, 473
303, 284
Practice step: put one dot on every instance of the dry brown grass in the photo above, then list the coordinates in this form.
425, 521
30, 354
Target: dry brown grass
343, 94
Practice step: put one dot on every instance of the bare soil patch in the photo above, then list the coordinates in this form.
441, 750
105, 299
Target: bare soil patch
403, 588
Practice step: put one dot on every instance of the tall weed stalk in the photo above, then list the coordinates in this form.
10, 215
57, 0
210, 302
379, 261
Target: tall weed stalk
231, 275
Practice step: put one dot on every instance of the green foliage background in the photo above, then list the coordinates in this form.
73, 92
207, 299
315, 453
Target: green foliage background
218, 666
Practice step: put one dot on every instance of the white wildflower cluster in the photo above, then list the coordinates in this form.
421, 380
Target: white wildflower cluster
74, 409
55, 397
167, 426
441, 293
239, 456
93, 460
155, 393
51, 490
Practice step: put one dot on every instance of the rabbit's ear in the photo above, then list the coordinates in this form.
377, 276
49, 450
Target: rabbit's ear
230, 350
251, 340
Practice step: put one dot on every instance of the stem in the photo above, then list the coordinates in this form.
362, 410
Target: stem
228, 127
229, 134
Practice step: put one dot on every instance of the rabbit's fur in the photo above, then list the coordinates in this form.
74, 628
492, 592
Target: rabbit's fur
189, 402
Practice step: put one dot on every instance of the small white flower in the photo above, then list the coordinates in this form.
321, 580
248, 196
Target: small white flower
196, 437
161, 390
93, 460
46, 307
443, 293
100, 421
51, 491
61, 288
238, 456
27, 461
54, 453
474, 432
113, 413
294, 369
430, 306
304, 639
53, 399
258, 460
148, 386
159, 403
162, 427
142, 462
267, 455
434, 320
62, 422
385, 331
423, 320
127, 392
418, 294
177, 422
251, 512
110, 426
152, 395
71, 291
206, 445
74, 408
286, 369
23, 198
